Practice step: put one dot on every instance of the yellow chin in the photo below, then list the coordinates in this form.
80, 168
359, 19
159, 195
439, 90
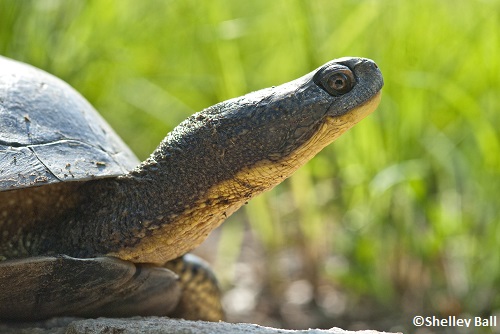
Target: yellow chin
333, 128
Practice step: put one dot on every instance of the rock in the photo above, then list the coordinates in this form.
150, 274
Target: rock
140, 325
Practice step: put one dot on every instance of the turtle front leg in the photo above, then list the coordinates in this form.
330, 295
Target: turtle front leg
201, 296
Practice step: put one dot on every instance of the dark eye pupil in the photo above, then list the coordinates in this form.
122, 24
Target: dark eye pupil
338, 82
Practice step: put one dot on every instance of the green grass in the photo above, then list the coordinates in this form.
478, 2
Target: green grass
407, 200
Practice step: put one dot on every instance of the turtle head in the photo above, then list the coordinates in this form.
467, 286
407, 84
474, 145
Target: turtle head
283, 127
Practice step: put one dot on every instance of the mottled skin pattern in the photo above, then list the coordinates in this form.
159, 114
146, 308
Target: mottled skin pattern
204, 170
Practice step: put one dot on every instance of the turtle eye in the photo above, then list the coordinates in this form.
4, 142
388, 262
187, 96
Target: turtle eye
336, 80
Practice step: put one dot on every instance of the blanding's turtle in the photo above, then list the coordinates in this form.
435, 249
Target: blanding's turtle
88, 230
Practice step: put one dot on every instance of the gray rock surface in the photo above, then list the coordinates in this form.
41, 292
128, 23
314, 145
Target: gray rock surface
152, 325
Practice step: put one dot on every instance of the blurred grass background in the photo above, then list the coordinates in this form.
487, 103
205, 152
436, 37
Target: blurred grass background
399, 217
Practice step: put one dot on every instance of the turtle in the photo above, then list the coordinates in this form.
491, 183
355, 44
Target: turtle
88, 230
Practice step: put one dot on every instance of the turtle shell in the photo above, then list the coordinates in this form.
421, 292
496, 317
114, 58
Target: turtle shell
49, 133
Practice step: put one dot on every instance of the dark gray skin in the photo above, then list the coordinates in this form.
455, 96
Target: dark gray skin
203, 171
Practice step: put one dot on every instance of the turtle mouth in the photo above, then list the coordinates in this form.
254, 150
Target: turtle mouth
353, 116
